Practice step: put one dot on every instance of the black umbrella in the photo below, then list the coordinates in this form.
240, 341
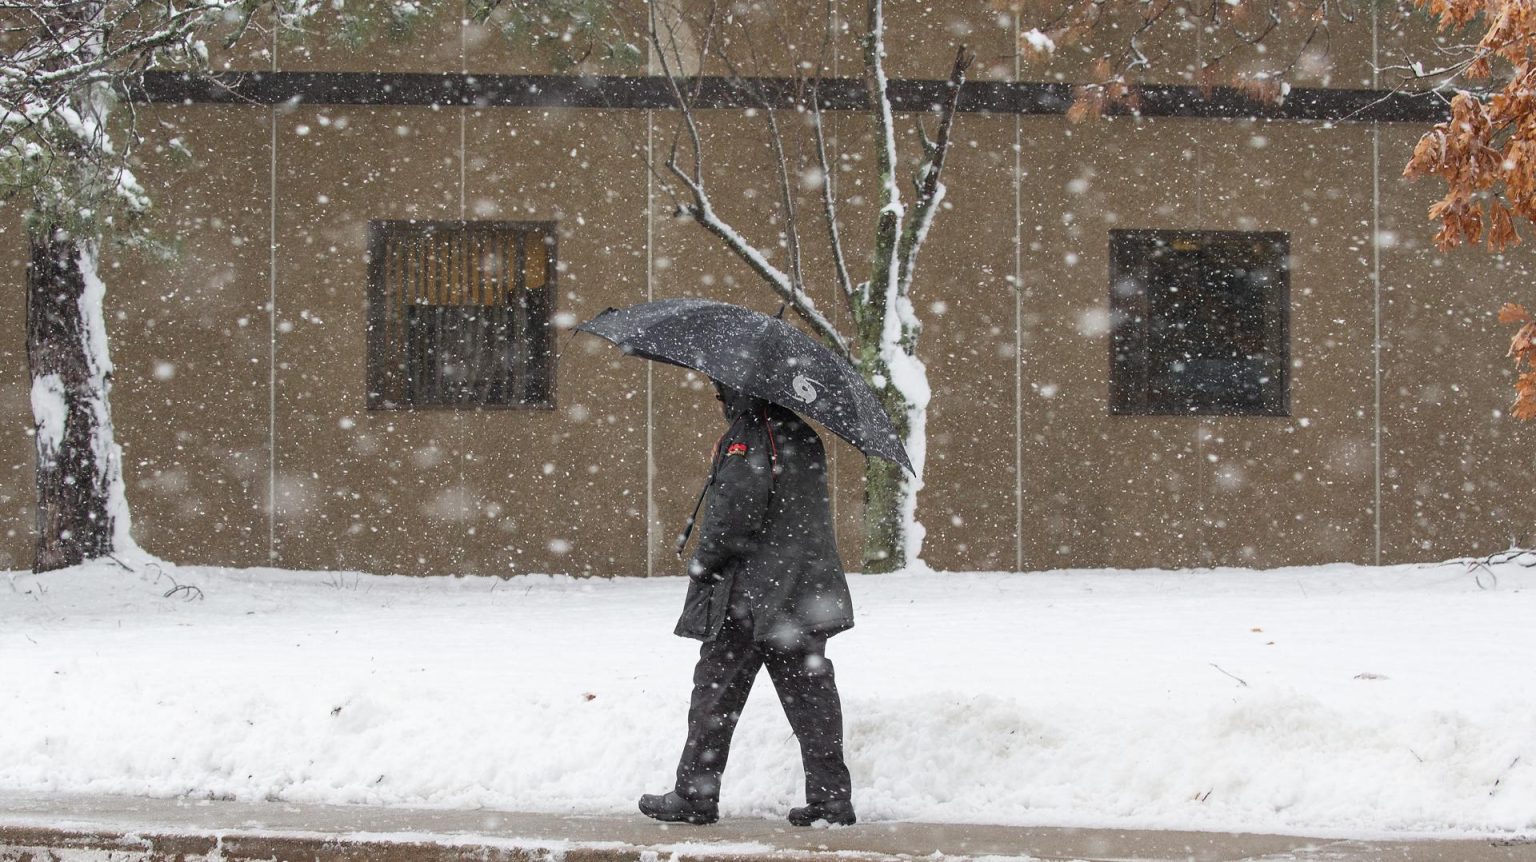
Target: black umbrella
759, 355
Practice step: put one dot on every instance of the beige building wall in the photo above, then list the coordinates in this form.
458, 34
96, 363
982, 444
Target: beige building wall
17, 476
240, 387
1193, 491
1452, 457
191, 344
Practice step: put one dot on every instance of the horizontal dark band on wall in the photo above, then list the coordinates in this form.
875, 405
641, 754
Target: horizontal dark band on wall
836, 94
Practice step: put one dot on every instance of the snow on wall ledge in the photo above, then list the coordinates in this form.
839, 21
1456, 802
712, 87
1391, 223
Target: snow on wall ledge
1334, 701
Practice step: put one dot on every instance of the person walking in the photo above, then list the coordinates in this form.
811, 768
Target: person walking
767, 586
766, 590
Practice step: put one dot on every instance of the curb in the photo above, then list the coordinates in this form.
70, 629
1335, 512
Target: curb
41, 844
133, 829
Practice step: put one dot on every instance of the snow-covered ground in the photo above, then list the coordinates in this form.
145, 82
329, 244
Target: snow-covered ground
1331, 700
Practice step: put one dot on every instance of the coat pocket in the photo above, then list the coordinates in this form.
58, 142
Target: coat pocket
698, 610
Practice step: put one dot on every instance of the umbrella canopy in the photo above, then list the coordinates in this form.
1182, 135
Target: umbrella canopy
761, 356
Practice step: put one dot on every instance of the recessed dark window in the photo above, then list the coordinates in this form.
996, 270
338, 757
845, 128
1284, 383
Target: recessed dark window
1199, 322
459, 314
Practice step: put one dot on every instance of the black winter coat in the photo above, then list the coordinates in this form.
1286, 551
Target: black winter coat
766, 541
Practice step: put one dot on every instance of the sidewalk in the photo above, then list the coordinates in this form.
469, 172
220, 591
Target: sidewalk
35, 828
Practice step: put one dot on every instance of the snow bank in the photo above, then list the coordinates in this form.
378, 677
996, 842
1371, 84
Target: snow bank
1335, 701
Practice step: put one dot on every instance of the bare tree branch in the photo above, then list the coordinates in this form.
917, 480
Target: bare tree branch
781, 161
682, 102
829, 204
701, 209
882, 287
884, 331
787, 200
828, 177
703, 212
930, 190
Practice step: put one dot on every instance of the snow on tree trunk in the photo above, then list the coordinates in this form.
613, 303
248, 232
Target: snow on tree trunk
888, 329
893, 537
82, 512
909, 382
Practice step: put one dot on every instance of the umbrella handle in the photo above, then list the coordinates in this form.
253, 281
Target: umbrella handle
682, 538
714, 469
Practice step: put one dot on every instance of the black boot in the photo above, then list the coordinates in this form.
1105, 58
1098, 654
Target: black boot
672, 808
836, 812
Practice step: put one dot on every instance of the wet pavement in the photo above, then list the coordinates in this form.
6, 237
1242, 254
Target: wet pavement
133, 828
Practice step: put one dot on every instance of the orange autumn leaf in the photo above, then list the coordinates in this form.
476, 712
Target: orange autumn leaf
1087, 104
1523, 344
1524, 408
1501, 228
1514, 312
1267, 90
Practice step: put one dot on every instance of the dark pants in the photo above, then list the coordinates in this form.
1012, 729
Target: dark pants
807, 690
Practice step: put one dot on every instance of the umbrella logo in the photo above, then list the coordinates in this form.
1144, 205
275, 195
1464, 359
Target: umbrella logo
805, 388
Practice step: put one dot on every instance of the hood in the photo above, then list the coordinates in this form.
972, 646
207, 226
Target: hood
734, 404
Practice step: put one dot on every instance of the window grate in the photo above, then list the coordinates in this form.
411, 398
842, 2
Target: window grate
1200, 323
459, 314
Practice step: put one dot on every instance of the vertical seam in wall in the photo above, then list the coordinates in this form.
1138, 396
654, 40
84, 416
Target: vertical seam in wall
1018, 321
464, 108
650, 294
459, 426
837, 316
1201, 475
833, 462
1376, 281
272, 339
1199, 139
272, 320
1376, 317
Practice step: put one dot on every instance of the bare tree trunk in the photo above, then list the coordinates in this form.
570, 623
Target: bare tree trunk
81, 514
886, 498
888, 330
